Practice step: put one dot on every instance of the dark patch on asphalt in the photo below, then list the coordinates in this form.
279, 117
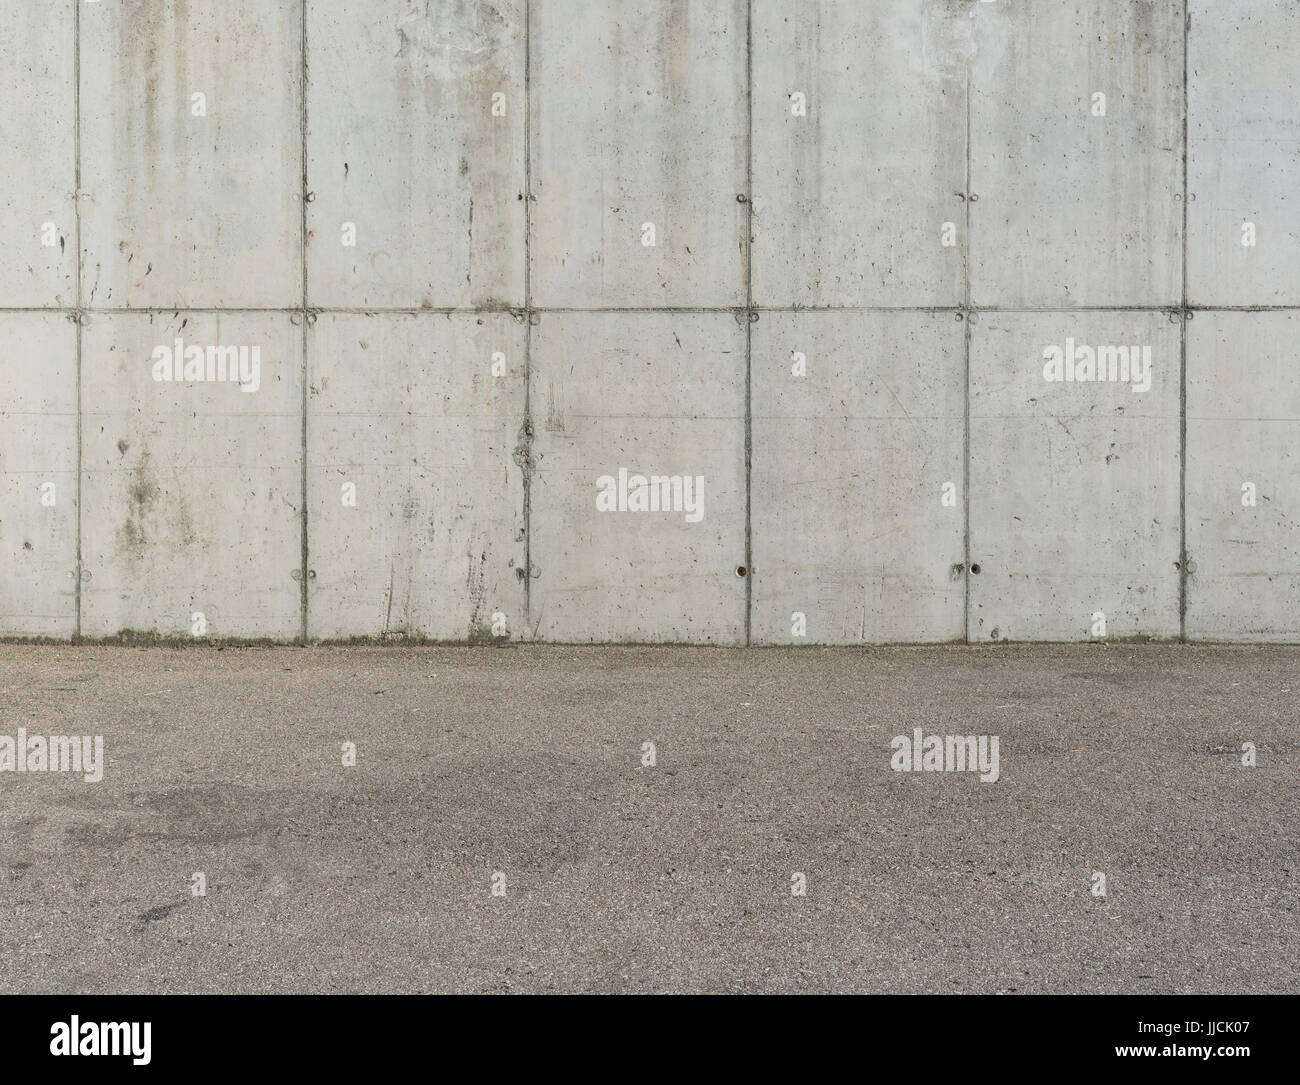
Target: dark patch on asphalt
153, 915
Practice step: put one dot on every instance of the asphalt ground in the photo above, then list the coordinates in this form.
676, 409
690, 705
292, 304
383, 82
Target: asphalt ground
527, 762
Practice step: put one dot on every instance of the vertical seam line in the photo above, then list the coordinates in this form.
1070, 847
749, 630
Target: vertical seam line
527, 466
1182, 347
305, 556
78, 315
749, 321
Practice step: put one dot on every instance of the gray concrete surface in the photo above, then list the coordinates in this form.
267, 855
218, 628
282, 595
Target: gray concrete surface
649, 394
1243, 427
638, 116
402, 143
850, 524
174, 469
38, 83
1077, 209
1074, 500
432, 544
850, 196
38, 451
526, 760
187, 201
1241, 153
938, 174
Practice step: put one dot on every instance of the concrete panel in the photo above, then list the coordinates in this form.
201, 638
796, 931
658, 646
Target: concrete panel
191, 489
403, 143
1074, 486
1243, 477
186, 210
1076, 209
851, 195
38, 475
638, 116
38, 217
1244, 153
659, 394
849, 466
416, 503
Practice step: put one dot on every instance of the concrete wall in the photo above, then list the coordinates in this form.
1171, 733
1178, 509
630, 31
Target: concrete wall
807, 258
